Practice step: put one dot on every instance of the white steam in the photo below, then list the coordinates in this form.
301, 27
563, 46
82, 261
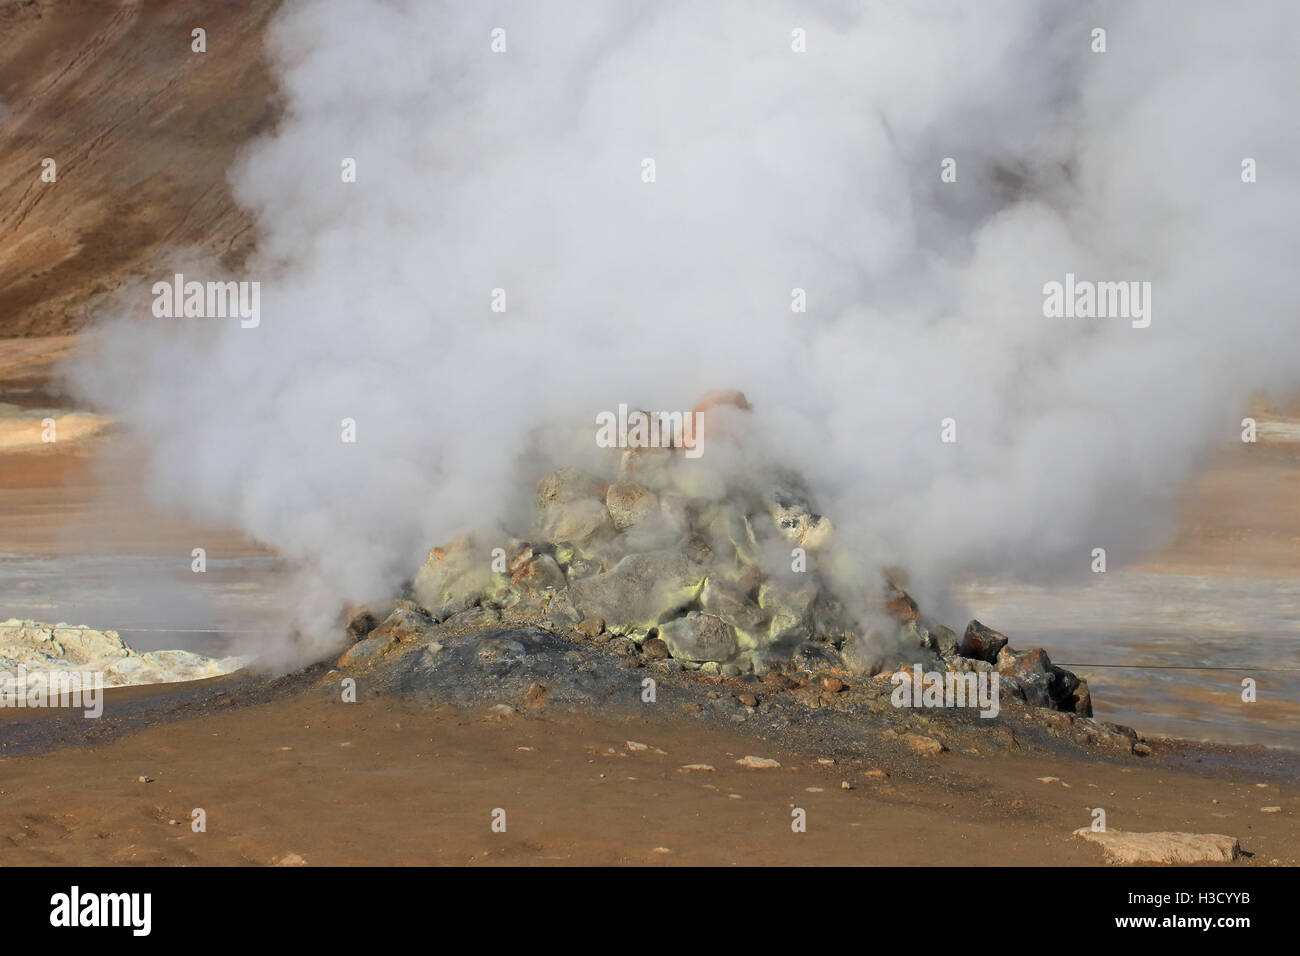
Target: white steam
775, 169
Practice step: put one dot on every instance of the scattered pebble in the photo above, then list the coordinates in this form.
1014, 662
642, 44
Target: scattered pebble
845, 785
832, 684
925, 746
1270, 809
144, 779
635, 745
749, 700
758, 763
694, 768
535, 696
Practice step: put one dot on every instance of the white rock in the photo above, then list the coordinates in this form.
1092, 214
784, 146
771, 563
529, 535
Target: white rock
1124, 847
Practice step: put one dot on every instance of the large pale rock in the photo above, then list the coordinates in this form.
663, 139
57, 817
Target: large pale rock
1122, 846
570, 508
699, 637
574, 522
628, 503
638, 591
456, 576
730, 601
404, 626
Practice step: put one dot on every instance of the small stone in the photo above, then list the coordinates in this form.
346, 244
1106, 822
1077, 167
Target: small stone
635, 745
144, 779
758, 763
876, 774
365, 650
845, 785
656, 649
1270, 809
590, 626
695, 768
535, 696
832, 685
291, 859
1142, 750
925, 746
749, 700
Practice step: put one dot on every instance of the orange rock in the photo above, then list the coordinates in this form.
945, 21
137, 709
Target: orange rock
712, 399
901, 607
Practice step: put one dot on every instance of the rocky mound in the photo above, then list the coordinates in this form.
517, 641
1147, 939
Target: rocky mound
727, 571
43, 648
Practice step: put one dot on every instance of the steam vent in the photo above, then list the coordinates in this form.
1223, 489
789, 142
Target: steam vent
686, 569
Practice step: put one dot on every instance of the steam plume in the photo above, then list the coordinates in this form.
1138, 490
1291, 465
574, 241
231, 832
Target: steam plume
775, 170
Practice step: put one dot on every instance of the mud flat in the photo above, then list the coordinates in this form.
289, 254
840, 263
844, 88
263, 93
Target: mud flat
587, 772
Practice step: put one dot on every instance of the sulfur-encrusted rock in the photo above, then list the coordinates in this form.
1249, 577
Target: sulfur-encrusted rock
457, 576
628, 503
699, 637
639, 591
570, 509
730, 601
698, 562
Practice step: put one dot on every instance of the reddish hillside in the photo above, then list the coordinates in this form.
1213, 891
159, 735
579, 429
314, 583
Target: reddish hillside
142, 130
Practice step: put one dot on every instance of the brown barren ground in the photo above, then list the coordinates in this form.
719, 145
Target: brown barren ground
396, 783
